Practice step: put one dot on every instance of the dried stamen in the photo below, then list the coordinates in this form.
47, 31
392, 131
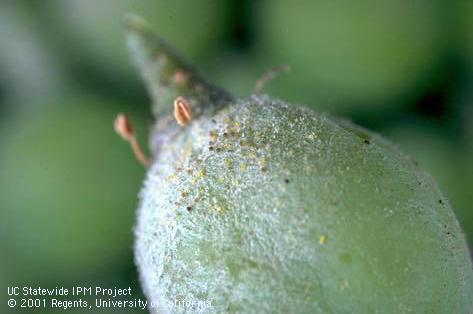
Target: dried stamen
125, 129
268, 76
182, 111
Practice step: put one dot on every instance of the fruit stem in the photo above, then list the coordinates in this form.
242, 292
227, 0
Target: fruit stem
166, 74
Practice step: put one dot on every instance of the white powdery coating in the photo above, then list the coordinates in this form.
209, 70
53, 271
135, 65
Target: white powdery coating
271, 208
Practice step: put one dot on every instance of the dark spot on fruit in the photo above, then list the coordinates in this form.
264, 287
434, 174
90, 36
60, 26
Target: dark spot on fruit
211, 148
189, 208
367, 142
287, 181
440, 202
360, 133
218, 149
264, 169
213, 121
225, 134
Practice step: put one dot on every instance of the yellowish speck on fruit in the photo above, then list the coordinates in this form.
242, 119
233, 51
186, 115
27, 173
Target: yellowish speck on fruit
322, 239
344, 284
228, 163
312, 136
171, 177
263, 162
213, 135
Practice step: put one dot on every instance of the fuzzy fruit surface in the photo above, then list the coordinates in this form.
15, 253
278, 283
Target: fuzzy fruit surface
260, 206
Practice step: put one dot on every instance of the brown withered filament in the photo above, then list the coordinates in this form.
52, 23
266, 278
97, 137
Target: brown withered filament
182, 111
125, 129
268, 76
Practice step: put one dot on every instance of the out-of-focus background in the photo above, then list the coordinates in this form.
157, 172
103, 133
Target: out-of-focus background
69, 185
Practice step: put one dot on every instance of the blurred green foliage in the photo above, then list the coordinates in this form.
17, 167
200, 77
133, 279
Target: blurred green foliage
69, 185
93, 30
376, 50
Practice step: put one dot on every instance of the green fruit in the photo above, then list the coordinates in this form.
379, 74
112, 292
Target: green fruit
258, 206
28, 72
